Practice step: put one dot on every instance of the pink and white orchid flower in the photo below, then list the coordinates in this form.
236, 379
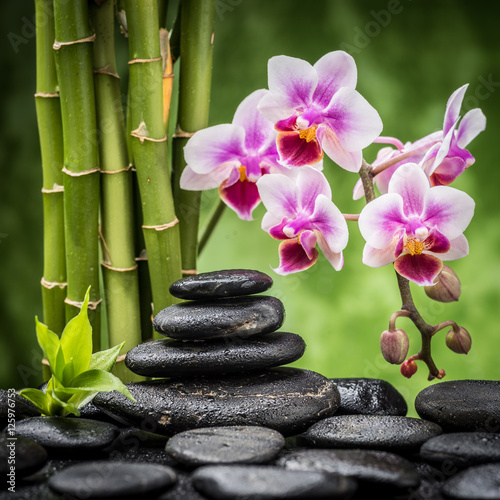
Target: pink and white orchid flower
316, 108
416, 226
301, 213
233, 156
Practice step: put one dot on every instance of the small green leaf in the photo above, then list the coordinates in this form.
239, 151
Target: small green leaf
76, 339
82, 398
48, 341
105, 360
66, 408
58, 368
38, 398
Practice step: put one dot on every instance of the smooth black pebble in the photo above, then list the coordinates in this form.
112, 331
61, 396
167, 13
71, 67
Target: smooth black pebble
23, 454
481, 482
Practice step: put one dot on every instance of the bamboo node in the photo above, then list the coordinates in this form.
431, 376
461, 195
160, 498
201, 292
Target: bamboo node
182, 133
121, 358
47, 94
119, 171
52, 284
143, 256
189, 271
119, 269
57, 44
55, 189
79, 174
92, 305
143, 61
106, 71
161, 227
141, 132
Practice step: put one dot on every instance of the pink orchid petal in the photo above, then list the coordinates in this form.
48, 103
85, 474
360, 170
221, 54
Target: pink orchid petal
452, 113
411, 183
335, 69
448, 210
471, 125
350, 161
289, 124
358, 191
421, 269
271, 109
376, 257
213, 146
382, 220
448, 171
297, 152
242, 197
270, 220
398, 249
311, 183
277, 230
308, 241
444, 149
459, 248
427, 162
192, 181
293, 258
355, 122
279, 195
329, 221
336, 259
436, 242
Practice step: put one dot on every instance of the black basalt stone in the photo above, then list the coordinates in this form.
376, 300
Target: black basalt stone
234, 317
183, 358
481, 482
104, 479
286, 399
377, 432
369, 396
23, 454
254, 482
218, 284
14, 406
462, 405
226, 445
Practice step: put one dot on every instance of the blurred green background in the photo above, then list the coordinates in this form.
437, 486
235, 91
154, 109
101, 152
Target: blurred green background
411, 55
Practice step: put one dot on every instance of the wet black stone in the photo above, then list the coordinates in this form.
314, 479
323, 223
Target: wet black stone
462, 405
481, 482
217, 284
23, 454
60, 434
226, 445
286, 399
104, 479
462, 449
431, 482
221, 318
254, 482
178, 358
368, 467
376, 432
12, 405
369, 396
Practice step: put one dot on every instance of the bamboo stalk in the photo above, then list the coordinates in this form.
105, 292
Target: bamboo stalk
48, 112
73, 55
149, 146
196, 44
120, 277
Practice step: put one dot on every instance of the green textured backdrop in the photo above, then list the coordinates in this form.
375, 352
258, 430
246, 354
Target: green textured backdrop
411, 55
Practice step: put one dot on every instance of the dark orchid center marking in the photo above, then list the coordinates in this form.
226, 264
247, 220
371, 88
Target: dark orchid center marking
413, 246
309, 134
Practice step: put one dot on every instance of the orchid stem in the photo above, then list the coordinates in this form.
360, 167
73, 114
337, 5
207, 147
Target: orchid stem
213, 220
351, 217
395, 316
444, 324
366, 174
390, 140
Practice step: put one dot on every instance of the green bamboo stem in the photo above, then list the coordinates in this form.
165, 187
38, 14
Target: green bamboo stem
48, 112
149, 148
213, 220
73, 55
196, 44
120, 276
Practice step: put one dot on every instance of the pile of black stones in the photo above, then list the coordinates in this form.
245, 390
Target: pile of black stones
218, 416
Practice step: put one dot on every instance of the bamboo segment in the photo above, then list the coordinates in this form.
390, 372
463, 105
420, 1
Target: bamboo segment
149, 148
73, 55
120, 277
196, 44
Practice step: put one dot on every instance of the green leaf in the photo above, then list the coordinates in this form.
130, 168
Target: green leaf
82, 398
59, 365
100, 381
48, 341
105, 360
38, 398
66, 407
76, 339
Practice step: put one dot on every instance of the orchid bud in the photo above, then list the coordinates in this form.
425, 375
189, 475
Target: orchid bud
394, 345
409, 368
460, 341
447, 287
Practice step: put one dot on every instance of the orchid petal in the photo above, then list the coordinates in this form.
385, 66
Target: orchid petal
427, 162
335, 70
293, 258
213, 146
436, 242
279, 195
242, 197
192, 181
421, 269
382, 220
452, 113
448, 171
459, 248
271, 109
411, 183
471, 125
308, 241
297, 152
336, 259
448, 210
350, 161
358, 191
330, 222
444, 149
311, 183
376, 257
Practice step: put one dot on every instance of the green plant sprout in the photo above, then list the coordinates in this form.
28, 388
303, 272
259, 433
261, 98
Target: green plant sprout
77, 374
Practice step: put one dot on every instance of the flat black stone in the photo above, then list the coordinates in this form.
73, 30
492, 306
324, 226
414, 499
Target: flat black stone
376, 432
104, 479
226, 445
462, 449
462, 405
23, 454
366, 466
68, 434
217, 284
235, 317
183, 358
369, 396
12, 405
286, 399
481, 482
254, 482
